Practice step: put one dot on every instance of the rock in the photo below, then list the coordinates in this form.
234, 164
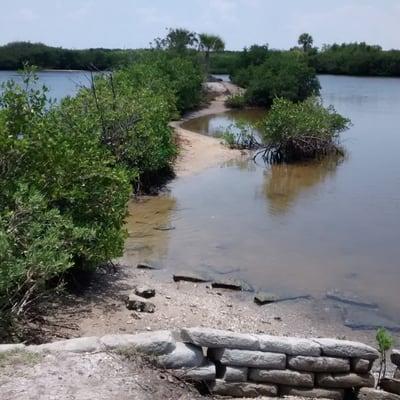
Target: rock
147, 266
214, 338
262, 298
319, 364
184, 356
283, 377
153, 343
247, 358
390, 385
190, 276
397, 374
361, 366
349, 298
242, 389
345, 381
232, 284
145, 291
165, 227
373, 394
316, 393
288, 345
232, 374
78, 345
136, 303
206, 372
395, 357
8, 348
346, 349
368, 319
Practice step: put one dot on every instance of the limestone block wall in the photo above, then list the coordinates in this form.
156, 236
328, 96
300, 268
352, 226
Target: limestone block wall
244, 365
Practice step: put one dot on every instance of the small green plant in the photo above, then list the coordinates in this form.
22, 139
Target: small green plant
241, 135
385, 343
235, 101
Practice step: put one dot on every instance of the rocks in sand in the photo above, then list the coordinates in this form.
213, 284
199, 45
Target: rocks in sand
373, 394
147, 266
136, 303
232, 284
145, 292
349, 298
390, 385
262, 298
190, 276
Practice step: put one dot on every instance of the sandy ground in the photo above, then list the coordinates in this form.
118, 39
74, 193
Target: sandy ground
198, 152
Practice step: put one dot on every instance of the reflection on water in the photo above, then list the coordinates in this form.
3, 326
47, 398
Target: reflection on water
298, 228
285, 183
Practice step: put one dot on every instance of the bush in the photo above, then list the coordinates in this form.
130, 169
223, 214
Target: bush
283, 74
296, 131
235, 101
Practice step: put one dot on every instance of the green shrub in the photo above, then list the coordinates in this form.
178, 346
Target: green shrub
235, 101
295, 131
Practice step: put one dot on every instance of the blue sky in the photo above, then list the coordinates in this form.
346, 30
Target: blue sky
134, 23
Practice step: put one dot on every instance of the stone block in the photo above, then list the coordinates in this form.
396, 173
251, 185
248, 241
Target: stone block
145, 292
283, 377
247, 358
361, 366
7, 348
184, 356
78, 345
345, 381
390, 385
152, 343
232, 374
373, 394
206, 372
242, 389
395, 357
214, 338
316, 393
137, 303
346, 349
288, 345
319, 364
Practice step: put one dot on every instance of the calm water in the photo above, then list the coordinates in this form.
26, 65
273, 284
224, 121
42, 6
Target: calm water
308, 227
60, 83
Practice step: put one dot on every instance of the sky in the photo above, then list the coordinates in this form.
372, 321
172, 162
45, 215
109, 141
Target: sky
135, 23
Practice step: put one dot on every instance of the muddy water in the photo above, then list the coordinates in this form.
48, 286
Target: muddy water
292, 228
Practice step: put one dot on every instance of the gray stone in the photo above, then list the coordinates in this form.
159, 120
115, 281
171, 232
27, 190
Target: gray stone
395, 357
154, 343
145, 291
242, 389
78, 345
349, 298
206, 372
361, 366
214, 338
232, 374
190, 276
136, 303
7, 348
345, 381
164, 227
368, 319
397, 374
232, 284
316, 393
147, 266
373, 394
262, 298
184, 356
319, 364
288, 345
283, 377
247, 358
390, 385
346, 348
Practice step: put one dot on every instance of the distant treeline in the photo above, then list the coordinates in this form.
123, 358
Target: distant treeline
344, 59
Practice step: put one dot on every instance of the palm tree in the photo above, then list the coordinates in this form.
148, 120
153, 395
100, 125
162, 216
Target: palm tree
306, 41
209, 43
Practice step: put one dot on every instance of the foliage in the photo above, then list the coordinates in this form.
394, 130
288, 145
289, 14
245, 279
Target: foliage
236, 101
178, 40
241, 135
385, 343
305, 41
283, 74
294, 131
210, 43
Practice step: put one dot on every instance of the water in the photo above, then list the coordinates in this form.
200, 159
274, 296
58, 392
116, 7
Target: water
60, 83
293, 228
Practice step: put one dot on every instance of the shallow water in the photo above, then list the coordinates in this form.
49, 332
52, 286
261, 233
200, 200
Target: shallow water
292, 228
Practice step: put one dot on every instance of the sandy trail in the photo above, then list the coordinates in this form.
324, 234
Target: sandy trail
198, 152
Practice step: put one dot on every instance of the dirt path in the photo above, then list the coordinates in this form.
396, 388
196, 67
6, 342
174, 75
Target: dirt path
198, 152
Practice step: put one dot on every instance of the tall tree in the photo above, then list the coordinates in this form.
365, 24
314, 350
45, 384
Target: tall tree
306, 41
209, 43
178, 40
